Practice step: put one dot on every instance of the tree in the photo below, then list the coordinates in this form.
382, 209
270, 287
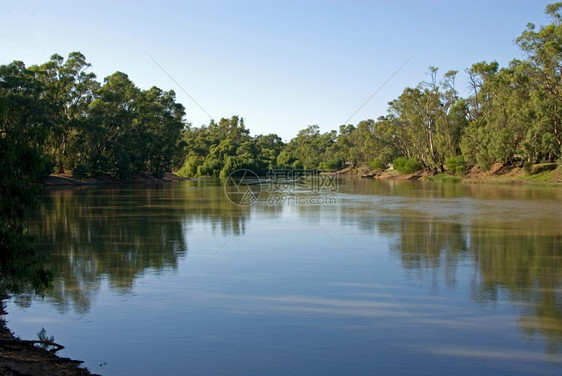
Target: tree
544, 51
68, 89
23, 131
309, 147
112, 128
221, 148
429, 120
158, 122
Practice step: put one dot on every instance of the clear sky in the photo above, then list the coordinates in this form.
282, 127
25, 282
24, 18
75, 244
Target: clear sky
281, 65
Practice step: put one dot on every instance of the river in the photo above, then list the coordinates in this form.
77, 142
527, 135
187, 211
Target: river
354, 277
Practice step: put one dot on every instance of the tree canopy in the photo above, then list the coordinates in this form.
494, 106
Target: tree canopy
511, 115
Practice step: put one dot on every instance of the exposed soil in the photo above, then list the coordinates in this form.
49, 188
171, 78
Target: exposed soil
501, 174
498, 174
22, 357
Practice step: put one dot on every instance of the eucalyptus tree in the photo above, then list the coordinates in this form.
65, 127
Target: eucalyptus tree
158, 124
429, 120
112, 128
543, 47
68, 89
310, 147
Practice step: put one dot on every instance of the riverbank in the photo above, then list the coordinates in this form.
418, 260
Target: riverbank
20, 357
55, 181
498, 174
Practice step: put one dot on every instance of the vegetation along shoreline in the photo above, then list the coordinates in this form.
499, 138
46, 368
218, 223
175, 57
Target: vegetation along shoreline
61, 127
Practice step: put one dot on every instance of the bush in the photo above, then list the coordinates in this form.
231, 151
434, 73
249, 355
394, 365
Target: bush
377, 164
124, 166
297, 165
456, 165
189, 167
81, 171
407, 165
528, 167
333, 164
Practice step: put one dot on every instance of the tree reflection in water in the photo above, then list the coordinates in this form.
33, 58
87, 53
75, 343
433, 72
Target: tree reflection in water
115, 235
516, 249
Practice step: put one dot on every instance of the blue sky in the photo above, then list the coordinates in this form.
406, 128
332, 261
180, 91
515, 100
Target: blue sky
281, 65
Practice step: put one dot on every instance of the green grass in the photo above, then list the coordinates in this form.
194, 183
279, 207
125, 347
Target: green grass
543, 177
444, 178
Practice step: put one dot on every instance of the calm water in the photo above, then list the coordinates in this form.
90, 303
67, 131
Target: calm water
393, 278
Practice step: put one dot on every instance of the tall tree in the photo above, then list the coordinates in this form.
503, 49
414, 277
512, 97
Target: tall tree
68, 90
112, 127
24, 127
544, 51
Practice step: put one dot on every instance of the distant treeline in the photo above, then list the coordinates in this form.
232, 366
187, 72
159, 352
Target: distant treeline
56, 117
512, 116
113, 129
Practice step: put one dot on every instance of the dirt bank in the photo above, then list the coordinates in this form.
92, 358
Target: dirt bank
498, 174
22, 357
501, 174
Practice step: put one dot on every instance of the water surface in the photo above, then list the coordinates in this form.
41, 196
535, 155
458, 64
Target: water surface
391, 278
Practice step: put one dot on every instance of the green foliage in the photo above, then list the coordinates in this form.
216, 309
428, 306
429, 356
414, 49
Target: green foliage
189, 167
285, 159
444, 178
81, 171
310, 148
221, 148
23, 131
515, 110
377, 164
331, 165
429, 120
456, 165
114, 129
407, 165
297, 165
528, 167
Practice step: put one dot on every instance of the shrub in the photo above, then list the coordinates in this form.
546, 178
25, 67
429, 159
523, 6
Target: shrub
456, 165
124, 166
81, 171
528, 167
297, 165
377, 164
407, 165
189, 167
332, 164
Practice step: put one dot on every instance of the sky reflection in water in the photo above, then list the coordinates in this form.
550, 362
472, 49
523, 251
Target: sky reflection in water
398, 277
